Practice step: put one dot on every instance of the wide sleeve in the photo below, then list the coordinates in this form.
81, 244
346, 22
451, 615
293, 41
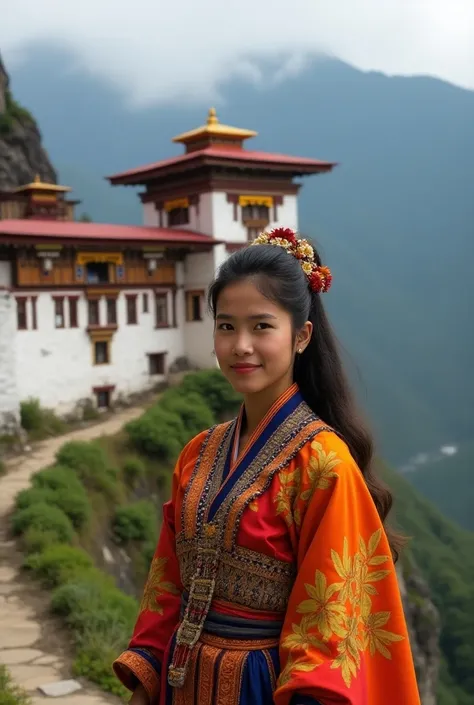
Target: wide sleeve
159, 608
344, 639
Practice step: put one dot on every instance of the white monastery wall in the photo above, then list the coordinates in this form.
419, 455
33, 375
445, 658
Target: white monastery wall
56, 366
230, 230
5, 274
9, 398
150, 215
198, 335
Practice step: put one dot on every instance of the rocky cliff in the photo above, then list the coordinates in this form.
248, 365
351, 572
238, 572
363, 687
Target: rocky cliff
424, 628
22, 155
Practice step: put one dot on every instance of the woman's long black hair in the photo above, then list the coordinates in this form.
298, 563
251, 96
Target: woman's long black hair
318, 370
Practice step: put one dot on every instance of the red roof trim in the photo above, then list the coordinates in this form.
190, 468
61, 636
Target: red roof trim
220, 153
71, 230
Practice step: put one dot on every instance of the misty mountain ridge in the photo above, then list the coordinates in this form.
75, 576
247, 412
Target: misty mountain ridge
394, 220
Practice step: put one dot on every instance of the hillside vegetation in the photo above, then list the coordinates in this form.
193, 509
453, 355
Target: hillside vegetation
107, 492
448, 483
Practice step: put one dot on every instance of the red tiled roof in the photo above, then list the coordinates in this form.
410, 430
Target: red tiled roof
69, 230
230, 154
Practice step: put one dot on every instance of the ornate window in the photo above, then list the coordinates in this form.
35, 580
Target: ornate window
178, 211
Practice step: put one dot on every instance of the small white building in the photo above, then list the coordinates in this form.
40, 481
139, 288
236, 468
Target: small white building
96, 312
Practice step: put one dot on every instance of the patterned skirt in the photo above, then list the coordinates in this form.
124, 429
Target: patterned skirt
235, 662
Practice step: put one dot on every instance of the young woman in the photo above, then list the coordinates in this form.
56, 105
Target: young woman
274, 578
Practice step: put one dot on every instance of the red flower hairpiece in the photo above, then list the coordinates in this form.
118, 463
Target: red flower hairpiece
319, 278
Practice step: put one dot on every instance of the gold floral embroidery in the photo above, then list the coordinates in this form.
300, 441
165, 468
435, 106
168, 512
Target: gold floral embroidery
318, 476
289, 488
342, 611
320, 470
303, 639
293, 666
156, 587
324, 615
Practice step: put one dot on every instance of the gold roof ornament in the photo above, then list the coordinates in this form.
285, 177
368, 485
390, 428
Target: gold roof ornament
38, 185
213, 128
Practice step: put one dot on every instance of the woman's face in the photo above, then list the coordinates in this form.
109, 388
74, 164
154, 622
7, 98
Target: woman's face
254, 341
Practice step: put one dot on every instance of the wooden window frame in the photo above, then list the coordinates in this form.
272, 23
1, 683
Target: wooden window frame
93, 302
108, 265
73, 311
98, 390
162, 356
34, 313
189, 297
162, 295
145, 302
108, 302
174, 309
23, 301
105, 342
128, 299
59, 300
178, 216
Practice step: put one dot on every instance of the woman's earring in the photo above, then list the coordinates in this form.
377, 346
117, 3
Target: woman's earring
300, 350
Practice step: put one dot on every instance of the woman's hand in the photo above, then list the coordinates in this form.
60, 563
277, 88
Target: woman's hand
140, 696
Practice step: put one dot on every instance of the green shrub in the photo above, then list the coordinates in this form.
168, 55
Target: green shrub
31, 415
215, 389
3, 469
101, 618
94, 661
135, 522
158, 433
40, 422
59, 564
57, 477
191, 407
92, 603
11, 694
43, 517
89, 460
133, 470
36, 540
75, 504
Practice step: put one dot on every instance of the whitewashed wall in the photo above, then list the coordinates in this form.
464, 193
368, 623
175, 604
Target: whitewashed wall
198, 335
56, 366
215, 217
230, 230
9, 398
5, 274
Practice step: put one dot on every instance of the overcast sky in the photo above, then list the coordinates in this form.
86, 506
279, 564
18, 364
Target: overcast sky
185, 49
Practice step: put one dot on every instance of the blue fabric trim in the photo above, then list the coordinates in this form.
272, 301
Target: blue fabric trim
286, 410
145, 654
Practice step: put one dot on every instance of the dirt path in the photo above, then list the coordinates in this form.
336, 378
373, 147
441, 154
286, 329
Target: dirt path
32, 644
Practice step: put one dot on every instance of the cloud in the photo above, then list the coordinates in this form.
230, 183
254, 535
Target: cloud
156, 51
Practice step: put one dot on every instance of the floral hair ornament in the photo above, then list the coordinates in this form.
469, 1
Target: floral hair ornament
319, 277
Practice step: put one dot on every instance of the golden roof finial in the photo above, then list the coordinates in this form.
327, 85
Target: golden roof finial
212, 117
37, 179
215, 129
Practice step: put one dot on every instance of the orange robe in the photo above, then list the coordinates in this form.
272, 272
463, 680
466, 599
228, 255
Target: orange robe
273, 580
